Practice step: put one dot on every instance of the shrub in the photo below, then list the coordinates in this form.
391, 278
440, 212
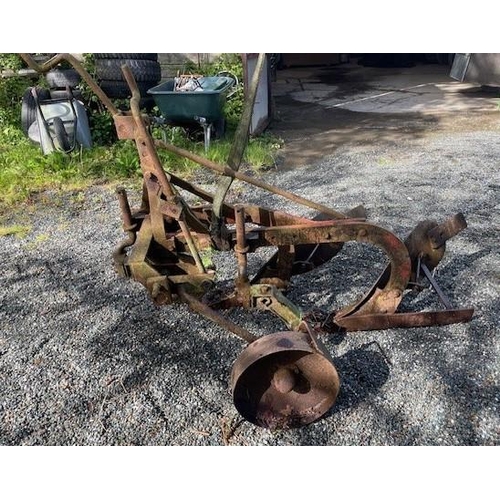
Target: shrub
11, 92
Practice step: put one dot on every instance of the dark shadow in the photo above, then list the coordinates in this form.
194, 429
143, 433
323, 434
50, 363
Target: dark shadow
312, 130
483, 91
387, 60
362, 372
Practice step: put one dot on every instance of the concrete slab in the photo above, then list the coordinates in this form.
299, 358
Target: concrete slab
317, 109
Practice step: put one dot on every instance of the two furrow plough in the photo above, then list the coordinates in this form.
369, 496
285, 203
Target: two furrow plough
285, 379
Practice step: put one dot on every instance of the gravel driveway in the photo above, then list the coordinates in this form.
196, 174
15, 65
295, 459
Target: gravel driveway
87, 359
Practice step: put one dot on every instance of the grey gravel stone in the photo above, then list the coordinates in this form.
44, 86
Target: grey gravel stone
87, 359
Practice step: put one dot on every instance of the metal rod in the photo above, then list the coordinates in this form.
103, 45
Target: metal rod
192, 246
442, 297
311, 255
125, 209
239, 142
241, 135
150, 159
191, 188
404, 320
214, 316
54, 61
225, 170
143, 137
241, 248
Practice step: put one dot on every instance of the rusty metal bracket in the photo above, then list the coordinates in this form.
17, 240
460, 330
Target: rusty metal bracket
269, 298
443, 232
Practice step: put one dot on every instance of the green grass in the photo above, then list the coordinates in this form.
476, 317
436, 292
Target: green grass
25, 171
17, 230
261, 152
37, 242
383, 162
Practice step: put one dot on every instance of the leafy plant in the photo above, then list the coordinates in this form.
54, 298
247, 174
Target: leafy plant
232, 64
100, 121
25, 171
17, 230
233, 108
10, 61
11, 92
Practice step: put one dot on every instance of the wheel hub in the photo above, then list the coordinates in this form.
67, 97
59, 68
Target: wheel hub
284, 380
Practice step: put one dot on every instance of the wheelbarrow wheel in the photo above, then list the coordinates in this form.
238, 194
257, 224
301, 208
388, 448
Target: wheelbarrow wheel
62, 142
28, 107
219, 127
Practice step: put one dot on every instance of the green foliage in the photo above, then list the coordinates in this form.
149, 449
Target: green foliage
11, 92
25, 170
10, 61
263, 151
101, 126
16, 229
232, 64
100, 121
233, 108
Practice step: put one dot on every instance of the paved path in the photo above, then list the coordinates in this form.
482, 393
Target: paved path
320, 109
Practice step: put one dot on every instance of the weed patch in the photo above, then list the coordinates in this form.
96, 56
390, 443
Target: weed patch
17, 230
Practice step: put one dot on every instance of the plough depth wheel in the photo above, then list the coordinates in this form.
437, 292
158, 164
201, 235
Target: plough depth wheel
284, 380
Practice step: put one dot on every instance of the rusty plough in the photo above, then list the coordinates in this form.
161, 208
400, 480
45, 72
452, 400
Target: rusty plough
285, 379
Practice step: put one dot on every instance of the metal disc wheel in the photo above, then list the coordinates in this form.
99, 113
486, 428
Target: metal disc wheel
284, 380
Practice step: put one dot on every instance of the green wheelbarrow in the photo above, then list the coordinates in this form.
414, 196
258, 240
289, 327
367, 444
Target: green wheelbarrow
195, 100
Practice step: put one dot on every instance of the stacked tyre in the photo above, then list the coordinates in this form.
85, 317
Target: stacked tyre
59, 80
144, 66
